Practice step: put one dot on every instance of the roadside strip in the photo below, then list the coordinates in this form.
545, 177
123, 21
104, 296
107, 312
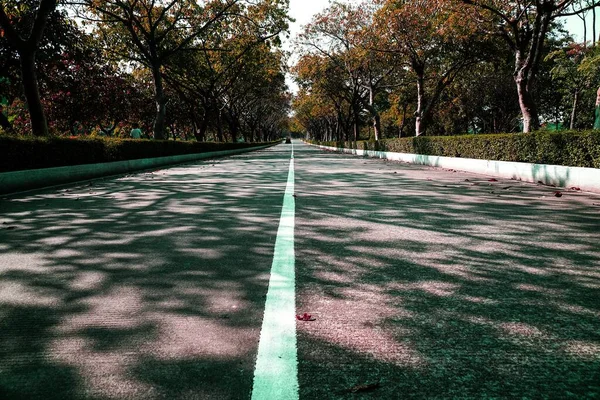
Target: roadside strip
276, 371
587, 179
29, 179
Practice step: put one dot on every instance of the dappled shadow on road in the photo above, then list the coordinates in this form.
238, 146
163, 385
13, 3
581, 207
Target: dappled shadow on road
441, 284
147, 286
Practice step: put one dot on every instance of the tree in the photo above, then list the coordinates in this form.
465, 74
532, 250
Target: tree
23, 24
325, 82
433, 39
589, 68
152, 32
220, 79
342, 34
566, 72
524, 26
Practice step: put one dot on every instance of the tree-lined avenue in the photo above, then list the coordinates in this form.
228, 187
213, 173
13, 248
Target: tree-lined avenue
423, 283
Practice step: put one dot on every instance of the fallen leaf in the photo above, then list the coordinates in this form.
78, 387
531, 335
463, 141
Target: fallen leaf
466, 180
493, 180
575, 188
305, 317
558, 194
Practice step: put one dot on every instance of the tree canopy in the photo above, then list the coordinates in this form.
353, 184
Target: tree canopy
390, 68
178, 68
215, 69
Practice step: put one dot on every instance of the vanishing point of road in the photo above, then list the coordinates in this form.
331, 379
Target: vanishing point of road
420, 283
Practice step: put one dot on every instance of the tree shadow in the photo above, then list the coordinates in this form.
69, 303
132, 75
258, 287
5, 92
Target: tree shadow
146, 286
443, 285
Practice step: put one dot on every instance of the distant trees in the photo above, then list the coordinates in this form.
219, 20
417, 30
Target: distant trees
211, 63
215, 70
440, 67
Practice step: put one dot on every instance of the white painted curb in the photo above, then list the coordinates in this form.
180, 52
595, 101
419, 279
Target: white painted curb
587, 179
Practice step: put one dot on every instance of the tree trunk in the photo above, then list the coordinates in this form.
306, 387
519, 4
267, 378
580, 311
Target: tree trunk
594, 26
219, 127
201, 137
531, 120
39, 126
584, 33
161, 104
252, 125
420, 117
356, 123
5, 123
574, 110
233, 127
377, 126
374, 114
401, 129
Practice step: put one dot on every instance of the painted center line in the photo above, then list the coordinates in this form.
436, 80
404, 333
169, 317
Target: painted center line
276, 371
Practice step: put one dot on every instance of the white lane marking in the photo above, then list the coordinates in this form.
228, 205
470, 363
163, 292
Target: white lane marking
276, 371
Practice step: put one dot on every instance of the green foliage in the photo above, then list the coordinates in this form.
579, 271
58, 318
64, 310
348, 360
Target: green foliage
577, 149
20, 153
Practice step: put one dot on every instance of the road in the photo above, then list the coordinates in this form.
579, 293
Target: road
423, 283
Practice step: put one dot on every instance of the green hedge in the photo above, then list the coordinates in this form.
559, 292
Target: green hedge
578, 149
17, 153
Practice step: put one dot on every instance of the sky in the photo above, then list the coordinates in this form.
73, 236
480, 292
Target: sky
302, 11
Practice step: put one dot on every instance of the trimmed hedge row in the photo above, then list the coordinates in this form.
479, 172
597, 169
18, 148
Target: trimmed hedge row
17, 153
576, 149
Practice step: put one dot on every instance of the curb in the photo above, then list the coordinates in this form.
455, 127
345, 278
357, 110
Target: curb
587, 179
18, 181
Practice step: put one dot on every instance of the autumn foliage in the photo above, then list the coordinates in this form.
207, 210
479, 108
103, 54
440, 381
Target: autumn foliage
204, 70
436, 67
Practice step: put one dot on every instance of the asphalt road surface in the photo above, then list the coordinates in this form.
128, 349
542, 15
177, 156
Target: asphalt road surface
422, 283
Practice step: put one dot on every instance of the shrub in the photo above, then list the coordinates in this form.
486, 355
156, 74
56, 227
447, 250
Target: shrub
578, 149
20, 153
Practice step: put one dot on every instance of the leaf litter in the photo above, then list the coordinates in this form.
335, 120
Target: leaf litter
305, 317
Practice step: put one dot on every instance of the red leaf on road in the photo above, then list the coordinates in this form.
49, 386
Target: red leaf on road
558, 194
305, 317
492, 180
